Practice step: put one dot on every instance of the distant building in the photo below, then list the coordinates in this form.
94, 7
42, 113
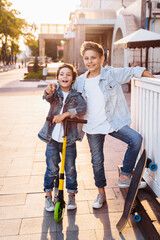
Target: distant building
106, 21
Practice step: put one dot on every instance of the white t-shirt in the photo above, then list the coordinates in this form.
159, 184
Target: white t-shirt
58, 130
96, 118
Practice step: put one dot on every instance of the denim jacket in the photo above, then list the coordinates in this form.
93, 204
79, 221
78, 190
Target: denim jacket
75, 104
116, 108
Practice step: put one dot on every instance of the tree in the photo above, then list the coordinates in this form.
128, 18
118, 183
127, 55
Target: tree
32, 43
11, 28
35, 66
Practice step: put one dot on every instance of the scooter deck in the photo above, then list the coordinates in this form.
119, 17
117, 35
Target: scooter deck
132, 191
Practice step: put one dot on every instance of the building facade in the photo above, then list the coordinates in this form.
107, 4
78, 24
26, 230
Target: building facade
106, 21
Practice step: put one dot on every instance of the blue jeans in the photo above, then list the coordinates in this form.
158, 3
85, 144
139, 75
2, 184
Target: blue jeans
96, 142
52, 170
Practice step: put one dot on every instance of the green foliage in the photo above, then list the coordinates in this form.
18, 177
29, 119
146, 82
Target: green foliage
11, 28
34, 75
32, 43
10, 24
35, 66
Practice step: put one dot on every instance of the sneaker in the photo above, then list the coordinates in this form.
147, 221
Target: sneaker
71, 202
49, 206
126, 183
98, 203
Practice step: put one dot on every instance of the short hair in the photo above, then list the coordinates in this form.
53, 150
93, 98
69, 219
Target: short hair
71, 67
88, 45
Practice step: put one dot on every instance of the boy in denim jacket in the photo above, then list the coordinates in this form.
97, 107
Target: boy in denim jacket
64, 102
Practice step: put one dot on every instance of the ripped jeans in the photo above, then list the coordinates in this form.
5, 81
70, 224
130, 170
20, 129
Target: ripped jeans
52, 170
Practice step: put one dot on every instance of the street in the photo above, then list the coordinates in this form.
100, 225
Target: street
11, 76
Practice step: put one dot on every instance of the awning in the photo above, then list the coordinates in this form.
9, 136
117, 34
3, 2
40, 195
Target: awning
139, 39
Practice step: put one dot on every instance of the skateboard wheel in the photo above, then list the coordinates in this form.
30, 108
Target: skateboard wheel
137, 217
152, 166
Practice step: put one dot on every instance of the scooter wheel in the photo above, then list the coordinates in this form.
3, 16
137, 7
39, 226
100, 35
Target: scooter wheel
58, 211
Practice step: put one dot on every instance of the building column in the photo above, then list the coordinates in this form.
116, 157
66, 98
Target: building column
41, 47
80, 38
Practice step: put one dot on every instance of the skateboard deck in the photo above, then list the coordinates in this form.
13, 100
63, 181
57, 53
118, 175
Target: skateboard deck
132, 191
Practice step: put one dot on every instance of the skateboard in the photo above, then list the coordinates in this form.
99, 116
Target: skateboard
129, 205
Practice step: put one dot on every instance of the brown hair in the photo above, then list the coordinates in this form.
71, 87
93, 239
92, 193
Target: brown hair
91, 46
71, 67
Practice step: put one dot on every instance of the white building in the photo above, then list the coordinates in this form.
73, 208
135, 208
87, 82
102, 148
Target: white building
106, 21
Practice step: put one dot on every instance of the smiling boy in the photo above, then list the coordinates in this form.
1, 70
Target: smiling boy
107, 113
64, 102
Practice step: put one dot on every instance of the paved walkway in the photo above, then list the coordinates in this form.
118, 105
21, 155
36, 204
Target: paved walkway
22, 164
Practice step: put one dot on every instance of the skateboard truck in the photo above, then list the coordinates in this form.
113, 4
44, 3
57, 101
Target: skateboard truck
151, 165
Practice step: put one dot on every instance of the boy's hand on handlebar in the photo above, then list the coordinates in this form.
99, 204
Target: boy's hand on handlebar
60, 117
50, 89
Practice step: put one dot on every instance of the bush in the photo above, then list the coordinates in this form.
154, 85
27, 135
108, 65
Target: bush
34, 75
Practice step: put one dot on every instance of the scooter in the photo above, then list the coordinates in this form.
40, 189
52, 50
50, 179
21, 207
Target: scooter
60, 204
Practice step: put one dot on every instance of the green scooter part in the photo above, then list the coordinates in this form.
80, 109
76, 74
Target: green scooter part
58, 211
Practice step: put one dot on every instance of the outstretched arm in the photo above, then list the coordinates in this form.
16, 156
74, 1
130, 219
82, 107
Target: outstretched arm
49, 91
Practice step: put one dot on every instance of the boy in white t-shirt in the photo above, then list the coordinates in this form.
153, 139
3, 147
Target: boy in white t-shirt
107, 113
64, 102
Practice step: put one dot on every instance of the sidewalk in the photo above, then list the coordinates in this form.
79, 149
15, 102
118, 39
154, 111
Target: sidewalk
22, 164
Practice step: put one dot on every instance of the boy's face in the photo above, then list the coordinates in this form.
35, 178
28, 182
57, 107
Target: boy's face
93, 61
65, 79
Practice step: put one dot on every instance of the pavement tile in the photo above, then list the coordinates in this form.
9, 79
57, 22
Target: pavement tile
111, 206
89, 222
5, 158
43, 236
89, 183
16, 180
2, 180
91, 194
40, 158
4, 169
113, 234
82, 208
38, 225
112, 174
9, 227
77, 235
118, 193
37, 179
23, 188
11, 212
85, 172
12, 200
38, 168
23, 168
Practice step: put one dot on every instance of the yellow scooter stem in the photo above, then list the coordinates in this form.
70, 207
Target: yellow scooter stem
61, 178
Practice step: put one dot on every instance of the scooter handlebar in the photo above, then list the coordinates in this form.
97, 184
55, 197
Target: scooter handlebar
76, 120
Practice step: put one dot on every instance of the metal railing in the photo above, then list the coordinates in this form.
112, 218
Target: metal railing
145, 114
